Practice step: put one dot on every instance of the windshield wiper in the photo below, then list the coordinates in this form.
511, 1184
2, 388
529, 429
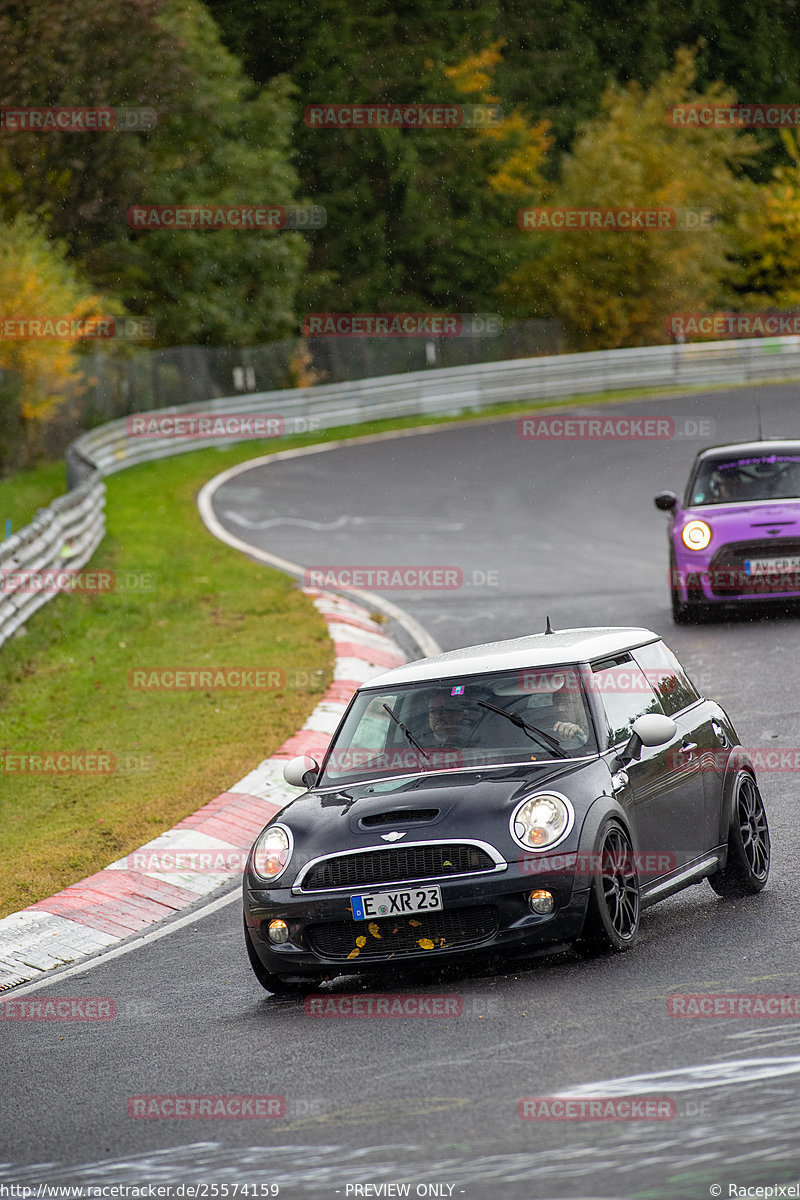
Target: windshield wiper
515, 719
408, 733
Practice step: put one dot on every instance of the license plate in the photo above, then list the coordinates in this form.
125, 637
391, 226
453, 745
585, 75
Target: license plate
396, 904
771, 566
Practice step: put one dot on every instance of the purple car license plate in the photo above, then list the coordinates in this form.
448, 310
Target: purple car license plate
754, 567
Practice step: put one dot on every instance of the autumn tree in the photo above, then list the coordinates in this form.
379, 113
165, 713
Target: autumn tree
765, 272
617, 288
38, 281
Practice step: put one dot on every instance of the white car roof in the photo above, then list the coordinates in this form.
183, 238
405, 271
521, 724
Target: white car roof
561, 648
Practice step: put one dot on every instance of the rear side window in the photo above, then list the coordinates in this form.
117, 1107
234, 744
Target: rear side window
624, 693
663, 671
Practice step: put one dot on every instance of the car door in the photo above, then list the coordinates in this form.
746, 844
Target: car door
704, 742
668, 799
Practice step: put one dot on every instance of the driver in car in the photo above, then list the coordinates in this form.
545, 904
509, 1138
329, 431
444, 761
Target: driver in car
565, 719
452, 719
726, 486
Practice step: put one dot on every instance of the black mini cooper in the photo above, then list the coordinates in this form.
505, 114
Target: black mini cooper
503, 798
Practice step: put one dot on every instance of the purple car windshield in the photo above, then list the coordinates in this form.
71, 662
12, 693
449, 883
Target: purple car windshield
745, 479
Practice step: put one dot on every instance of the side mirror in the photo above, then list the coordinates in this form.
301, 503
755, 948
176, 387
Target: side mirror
651, 729
666, 501
301, 771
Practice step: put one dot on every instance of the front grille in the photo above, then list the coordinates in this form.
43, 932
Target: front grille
396, 865
726, 569
400, 816
407, 935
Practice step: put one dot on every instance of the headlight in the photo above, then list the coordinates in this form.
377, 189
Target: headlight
696, 535
541, 821
272, 852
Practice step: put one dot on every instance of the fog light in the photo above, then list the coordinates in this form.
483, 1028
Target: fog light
541, 901
278, 932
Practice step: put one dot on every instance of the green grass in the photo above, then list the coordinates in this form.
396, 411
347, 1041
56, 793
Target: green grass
23, 493
64, 685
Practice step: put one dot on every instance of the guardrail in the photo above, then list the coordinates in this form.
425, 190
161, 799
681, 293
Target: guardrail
68, 531
36, 563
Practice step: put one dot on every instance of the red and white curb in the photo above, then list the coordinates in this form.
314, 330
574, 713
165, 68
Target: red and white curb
157, 880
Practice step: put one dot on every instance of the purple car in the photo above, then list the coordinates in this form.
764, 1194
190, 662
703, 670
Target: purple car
736, 537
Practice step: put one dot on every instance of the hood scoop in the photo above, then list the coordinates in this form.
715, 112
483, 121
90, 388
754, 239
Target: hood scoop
400, 816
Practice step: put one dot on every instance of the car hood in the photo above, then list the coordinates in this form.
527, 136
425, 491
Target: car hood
469, 805
751, 521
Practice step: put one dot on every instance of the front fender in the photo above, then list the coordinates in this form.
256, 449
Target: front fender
601, 811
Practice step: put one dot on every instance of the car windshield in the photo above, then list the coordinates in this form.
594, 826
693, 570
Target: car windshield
526, 715
757, 477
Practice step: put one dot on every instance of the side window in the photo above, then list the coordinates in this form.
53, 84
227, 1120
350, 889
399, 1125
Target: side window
667, 676
624, 693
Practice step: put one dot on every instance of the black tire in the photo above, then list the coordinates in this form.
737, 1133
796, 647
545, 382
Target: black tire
274, 983
747, 868
681, 611
612, 916
684, 612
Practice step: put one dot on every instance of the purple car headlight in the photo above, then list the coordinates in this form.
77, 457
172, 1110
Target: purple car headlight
696, 535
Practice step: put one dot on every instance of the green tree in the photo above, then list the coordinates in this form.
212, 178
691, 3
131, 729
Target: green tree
614, 288
219, 139
413, 220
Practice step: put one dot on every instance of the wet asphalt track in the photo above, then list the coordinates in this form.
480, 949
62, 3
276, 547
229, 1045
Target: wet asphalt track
569, 530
